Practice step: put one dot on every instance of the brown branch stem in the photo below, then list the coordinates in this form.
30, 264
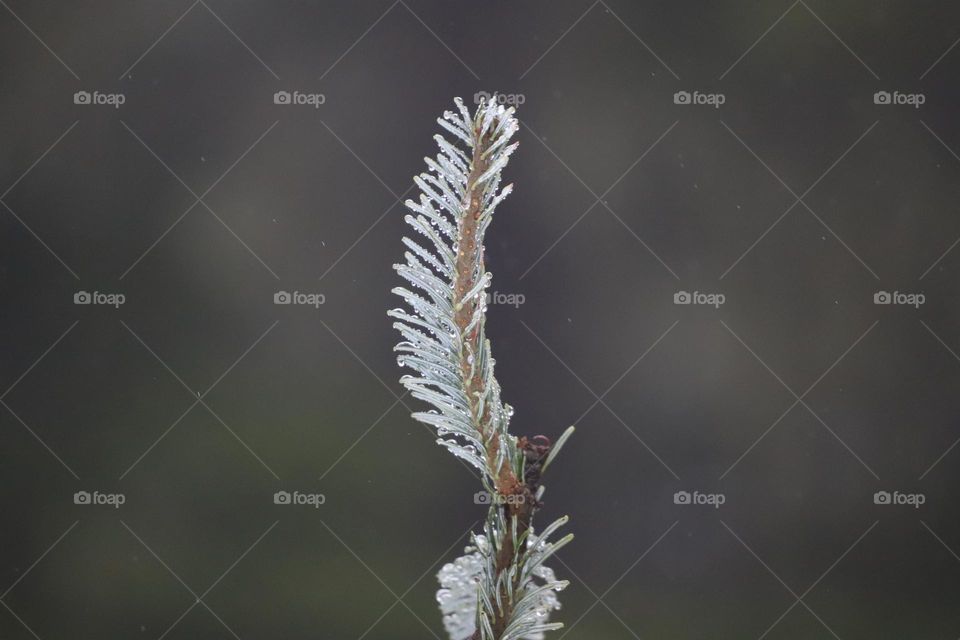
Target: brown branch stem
469, 254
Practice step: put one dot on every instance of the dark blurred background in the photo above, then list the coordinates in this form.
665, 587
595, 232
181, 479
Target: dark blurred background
198, 199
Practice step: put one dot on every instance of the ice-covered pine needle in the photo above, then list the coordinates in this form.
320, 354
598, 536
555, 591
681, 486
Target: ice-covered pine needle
501, 589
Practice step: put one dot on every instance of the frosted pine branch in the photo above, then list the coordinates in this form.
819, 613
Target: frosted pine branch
500, 590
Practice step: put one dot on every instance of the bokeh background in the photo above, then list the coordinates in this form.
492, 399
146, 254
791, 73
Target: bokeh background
198, 398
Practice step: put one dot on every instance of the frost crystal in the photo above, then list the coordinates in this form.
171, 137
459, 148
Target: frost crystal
458, 593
